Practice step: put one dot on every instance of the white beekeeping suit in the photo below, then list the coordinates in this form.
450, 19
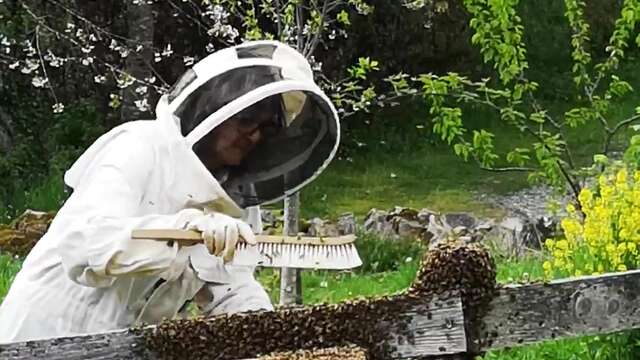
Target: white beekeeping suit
87, 275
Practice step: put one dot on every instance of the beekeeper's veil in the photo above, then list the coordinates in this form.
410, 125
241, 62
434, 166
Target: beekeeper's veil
246, 82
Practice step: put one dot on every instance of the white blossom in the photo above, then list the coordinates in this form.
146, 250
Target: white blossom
53, 60
125, 81
4, 41
39, 81
87, 49
70, 27
188, 60
28, 48
30, 65
142, 105
167, 51
210, 48
87, 61
114, 45
141, 90
100, 79
124, 52
115, 101
14, 65
57, 108
157, 57
151, 79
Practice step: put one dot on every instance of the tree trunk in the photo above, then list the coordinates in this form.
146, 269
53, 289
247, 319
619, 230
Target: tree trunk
140, 22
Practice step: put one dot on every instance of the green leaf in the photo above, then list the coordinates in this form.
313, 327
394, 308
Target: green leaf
600, 159
343, 18
538, 117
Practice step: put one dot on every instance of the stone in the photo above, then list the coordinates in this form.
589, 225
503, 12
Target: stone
405, 213
425, 214
408, 228
376, 222
506, 236
460, 219
460, 230
347, 224
534, 233
319, 227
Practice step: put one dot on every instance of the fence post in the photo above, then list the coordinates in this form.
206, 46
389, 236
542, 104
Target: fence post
290, 278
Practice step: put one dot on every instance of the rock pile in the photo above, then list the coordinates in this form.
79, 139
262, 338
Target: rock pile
21, 235
431, 226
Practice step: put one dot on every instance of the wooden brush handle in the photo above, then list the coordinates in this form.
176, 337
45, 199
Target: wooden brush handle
194, 237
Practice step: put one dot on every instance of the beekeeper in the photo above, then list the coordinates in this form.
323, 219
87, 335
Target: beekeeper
245, 126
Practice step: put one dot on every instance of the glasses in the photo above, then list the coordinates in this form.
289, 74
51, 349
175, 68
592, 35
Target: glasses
267, 126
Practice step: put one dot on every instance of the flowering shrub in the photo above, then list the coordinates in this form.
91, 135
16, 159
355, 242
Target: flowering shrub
605, 236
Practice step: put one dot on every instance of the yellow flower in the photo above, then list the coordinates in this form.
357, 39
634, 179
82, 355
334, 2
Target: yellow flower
578, 273
558, 254
621, 178
562, 244
546, 266
549, 243
622, 267
585, 197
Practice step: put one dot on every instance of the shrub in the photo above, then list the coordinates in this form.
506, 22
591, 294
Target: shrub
604, 235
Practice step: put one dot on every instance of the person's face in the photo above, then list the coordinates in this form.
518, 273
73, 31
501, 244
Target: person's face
230, 142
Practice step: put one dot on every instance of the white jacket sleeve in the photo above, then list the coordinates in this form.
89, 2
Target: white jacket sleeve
93, 229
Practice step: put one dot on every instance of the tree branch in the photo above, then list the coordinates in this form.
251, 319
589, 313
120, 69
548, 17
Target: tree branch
574, 187
42, 64
311, 46
538, 108
618, 126
277, 18
96, 27
300, 23
507, 169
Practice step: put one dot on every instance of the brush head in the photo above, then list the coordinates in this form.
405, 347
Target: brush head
337, 257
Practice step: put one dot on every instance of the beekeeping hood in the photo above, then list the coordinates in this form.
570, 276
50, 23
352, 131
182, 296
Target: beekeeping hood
305, 132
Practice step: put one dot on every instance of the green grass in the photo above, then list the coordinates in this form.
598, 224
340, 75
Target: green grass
9, 267
332, 287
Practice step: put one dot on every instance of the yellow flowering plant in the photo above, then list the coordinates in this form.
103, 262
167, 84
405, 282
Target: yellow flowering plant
605, 235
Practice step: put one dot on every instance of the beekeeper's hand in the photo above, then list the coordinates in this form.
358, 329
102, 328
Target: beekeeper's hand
221, 233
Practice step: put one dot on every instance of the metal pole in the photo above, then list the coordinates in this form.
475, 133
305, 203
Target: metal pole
290, 281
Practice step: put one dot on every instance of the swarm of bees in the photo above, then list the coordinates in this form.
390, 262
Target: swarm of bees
334, 353
366, 324
457, 266
467, 268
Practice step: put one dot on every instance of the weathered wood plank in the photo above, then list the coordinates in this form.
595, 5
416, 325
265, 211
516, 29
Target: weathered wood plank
435, 329
565, 308
112, 345
422, 328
